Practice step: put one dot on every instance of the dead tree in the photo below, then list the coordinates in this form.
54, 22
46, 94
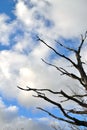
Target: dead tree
69, 115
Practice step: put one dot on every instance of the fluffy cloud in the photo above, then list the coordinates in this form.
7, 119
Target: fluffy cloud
69, 17
21, 64
9, 117
6, 29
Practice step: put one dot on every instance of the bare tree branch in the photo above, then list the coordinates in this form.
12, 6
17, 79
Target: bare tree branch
38, 91
77, 66
77, 112
52, 115
76, 121
83, 38
59, 54
69, 115
65, 72
74, 99
68, 48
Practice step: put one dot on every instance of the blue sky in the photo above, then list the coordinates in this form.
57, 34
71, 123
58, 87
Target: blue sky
7, 7
21, 53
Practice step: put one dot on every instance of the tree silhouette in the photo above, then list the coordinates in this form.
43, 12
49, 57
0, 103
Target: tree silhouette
80, 99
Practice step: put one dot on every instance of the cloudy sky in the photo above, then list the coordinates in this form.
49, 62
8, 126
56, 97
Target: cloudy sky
21, 21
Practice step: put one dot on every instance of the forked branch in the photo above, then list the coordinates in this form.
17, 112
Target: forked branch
41, 93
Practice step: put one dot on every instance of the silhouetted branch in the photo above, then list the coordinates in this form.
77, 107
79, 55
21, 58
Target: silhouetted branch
59, 54
77, 112
78, 66
64, 72
56, 117
68, 48
38, 91
76, 98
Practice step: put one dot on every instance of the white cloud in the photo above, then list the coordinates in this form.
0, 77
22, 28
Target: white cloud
5, 29
7, 113
69, 17
16, 67
23, 13
21, 64
9, 116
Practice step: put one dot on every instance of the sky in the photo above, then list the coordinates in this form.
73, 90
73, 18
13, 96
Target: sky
21, 21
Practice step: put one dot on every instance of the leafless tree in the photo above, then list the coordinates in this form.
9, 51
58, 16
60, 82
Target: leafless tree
70, 115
